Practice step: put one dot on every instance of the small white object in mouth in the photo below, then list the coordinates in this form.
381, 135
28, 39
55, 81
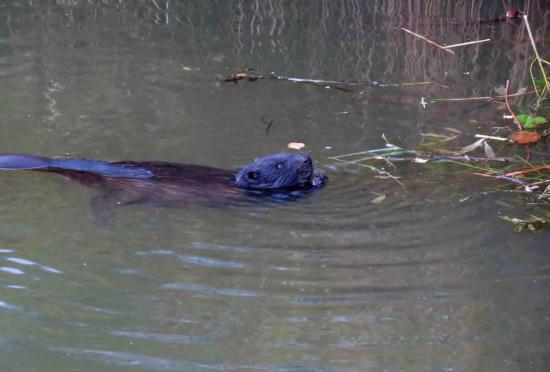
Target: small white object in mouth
296, 145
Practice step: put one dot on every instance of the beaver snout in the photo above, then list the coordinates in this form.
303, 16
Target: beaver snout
280, 171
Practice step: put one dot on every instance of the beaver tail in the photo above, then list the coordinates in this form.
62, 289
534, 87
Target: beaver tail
61, 165
22, 162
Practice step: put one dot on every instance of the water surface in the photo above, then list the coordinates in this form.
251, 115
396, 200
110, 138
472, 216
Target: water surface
427, 279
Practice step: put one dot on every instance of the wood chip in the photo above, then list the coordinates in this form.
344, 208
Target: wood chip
296, 145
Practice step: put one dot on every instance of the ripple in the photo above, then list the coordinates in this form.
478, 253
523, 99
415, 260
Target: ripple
156, 252
7, 306
371, 296
21, 261
25, 262
199, 288
50, 269
14, 286
162, 337
211, 262
222, 247
156, 363
12, 270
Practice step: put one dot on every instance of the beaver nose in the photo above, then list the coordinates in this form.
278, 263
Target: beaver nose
305, 158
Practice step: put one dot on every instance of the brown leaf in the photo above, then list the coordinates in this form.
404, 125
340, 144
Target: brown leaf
524, 137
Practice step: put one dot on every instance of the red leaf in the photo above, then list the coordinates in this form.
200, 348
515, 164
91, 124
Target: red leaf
524, 137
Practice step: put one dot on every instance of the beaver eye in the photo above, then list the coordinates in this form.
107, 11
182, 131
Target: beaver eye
279, 165
253, 175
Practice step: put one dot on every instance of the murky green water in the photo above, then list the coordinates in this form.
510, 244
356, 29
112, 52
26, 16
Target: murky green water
427, 279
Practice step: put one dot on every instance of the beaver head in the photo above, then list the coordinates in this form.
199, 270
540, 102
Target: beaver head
285, 170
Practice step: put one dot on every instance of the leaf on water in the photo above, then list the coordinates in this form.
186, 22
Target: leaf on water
539, 120
522, 118
420, 160
378, 199
296, 145
472, 147
524, 137
532, 122
489, 152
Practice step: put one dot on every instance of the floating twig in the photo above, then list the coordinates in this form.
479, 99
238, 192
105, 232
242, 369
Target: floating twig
487, 98
427, 40
508, 105
345, 85
491, 137
433, 157
466, 43
267, 124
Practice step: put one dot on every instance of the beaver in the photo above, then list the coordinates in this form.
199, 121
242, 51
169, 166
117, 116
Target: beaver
283, 175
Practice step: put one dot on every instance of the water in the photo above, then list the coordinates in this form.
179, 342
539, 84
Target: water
427, 279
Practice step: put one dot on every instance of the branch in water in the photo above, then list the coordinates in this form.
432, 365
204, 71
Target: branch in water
336, 84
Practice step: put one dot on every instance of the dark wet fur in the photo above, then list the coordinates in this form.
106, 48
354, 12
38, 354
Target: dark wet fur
282, 176
172, 183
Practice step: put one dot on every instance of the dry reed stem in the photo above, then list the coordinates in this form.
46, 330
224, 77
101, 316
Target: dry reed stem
539, 60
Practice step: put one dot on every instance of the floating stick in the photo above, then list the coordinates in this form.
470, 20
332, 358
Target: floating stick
466, 43
428, 40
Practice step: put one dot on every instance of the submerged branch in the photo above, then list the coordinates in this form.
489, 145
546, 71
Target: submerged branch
336, 84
